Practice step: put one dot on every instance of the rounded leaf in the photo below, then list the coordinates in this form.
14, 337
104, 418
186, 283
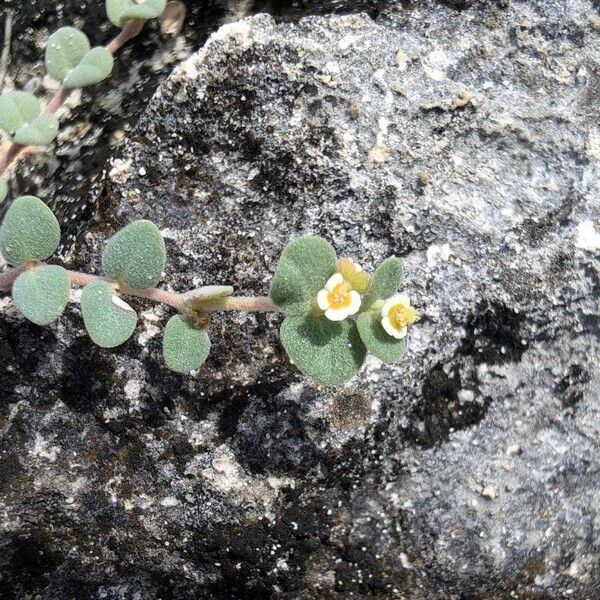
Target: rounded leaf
385, 282
136, 255
17, 109
65, 50
303, 270
70, 60
42, 294
108, 320
378, 342
328, 352
185, 347
40, 132
121, 11
95, 66
3, 189
29, 231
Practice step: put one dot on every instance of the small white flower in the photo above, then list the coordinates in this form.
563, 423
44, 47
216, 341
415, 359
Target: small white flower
338, 299
397, 314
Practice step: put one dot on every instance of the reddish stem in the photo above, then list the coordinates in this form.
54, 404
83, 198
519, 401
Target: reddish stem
12, 151
8, 277
173, 299
130, 30
57, 100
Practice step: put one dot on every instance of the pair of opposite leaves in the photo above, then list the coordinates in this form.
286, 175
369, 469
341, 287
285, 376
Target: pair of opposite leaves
331, 352
110, 322
71, 60
69, 57
135, 257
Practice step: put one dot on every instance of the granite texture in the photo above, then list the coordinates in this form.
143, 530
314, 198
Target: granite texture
463, 139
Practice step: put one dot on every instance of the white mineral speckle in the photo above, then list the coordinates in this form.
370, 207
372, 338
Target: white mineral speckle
169, 502
43, 449
132, 389
145, 336
437, 254
121, 170
588, 237
436, 64
401, 60
489, 491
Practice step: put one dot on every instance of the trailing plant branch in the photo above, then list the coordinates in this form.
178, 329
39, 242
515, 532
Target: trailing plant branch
178, 301
13, 152
335, 313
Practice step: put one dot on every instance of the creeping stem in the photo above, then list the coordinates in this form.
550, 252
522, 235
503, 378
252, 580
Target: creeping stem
178, 301
240, 303
12, 151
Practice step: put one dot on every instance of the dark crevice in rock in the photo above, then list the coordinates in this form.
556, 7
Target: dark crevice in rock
442, 410
494, 335
85, 385
263, 442
571, 387
33, 559
295, 9
26, 347
537, 230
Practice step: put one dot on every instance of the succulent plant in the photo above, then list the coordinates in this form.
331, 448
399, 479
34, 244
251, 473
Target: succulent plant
335, 313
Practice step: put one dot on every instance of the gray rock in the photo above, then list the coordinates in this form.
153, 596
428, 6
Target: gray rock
465, 142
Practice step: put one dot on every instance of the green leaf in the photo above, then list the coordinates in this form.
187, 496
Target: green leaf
29, 231
20, 117
304, 268
3, 189
42, 294
136, 255
384, 283
121, 11
65, 50
328, 352
185, 347
17, 109
378, 342
108, 320
39, 132
70, 60
95, 66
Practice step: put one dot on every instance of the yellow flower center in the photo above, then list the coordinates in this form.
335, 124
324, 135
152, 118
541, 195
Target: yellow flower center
402, 316
340, 297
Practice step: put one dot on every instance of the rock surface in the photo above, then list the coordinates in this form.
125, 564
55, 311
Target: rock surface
465, 141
